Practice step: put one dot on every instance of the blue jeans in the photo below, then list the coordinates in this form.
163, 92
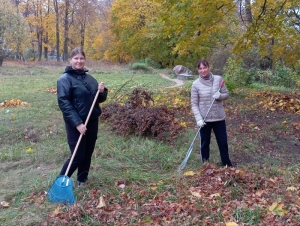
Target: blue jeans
83, 156
219, 129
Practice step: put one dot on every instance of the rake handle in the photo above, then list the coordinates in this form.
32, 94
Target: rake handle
221, 85
80, 137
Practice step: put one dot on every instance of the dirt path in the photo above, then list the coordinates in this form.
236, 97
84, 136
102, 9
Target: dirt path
177, 81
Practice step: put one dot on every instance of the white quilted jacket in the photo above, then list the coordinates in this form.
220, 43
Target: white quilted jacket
201, 99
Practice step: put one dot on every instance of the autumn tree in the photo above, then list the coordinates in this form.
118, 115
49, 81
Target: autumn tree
170, 32
104, 40
128, 24
13, 30
273, 29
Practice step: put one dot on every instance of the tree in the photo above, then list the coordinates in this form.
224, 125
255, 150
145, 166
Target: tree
13, 30
170, 32
273, 30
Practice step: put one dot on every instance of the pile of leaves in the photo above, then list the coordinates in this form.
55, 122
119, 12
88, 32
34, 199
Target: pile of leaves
139, 117
209, 196
12, 103
52, 90
277, 101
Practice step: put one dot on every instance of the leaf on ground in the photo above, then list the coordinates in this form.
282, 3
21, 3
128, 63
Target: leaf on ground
28, 150
259, 193
101, 203
215, 195
189, 173
55, 212
52, 90
4, 204
231, 224
291, 188
276, 208
197, 194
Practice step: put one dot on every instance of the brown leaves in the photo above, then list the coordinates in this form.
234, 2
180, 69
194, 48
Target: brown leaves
277, 101
140, 119
207, 196
52, 90
12, 103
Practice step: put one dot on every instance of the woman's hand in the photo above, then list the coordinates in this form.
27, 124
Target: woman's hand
101, 87
81, 128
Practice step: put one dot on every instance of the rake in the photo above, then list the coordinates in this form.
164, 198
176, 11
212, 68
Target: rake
61, 190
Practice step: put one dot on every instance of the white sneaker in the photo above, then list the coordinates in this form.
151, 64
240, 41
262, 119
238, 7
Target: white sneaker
81, 184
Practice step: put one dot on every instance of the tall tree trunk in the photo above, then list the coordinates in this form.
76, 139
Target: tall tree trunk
40, 44
66, 31
82, 30
1, 56
46, 38
248, 11
55, 3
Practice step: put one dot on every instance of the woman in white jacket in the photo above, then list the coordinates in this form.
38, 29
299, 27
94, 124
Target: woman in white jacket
205, 91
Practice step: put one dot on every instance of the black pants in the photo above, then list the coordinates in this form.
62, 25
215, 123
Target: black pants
219, 129
83, 156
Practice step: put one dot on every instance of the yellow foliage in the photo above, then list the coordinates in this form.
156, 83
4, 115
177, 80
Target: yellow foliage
189, 173
29, 150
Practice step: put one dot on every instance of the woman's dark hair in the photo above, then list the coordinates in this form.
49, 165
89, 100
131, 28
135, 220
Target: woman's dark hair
77, 51
203, 62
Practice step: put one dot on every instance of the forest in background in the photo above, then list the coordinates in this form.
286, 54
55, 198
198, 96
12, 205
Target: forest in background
247, 35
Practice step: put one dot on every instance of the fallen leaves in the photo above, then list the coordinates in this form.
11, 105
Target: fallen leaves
189, 173
12, 103
277, 209
101, 203
4, 204
28, 150
231, 224
292, 188
52, 90
273, 101
202, 197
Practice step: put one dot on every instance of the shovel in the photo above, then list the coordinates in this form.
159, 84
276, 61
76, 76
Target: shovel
61, 190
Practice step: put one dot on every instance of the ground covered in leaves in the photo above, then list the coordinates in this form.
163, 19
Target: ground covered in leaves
208, 196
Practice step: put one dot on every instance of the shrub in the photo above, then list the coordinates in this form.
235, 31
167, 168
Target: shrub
236, 76
151, 63
140, 66
284, 76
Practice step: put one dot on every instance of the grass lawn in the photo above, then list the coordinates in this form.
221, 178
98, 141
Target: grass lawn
134, 180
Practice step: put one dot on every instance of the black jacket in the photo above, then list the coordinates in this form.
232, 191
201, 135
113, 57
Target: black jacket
76, 90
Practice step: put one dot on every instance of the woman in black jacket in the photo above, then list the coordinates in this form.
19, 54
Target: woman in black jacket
76, 90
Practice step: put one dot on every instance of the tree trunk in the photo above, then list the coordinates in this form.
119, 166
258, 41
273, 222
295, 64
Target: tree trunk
82, 30
40, 45
248, 11
66, 31
46, 38
55, 3
1, 56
